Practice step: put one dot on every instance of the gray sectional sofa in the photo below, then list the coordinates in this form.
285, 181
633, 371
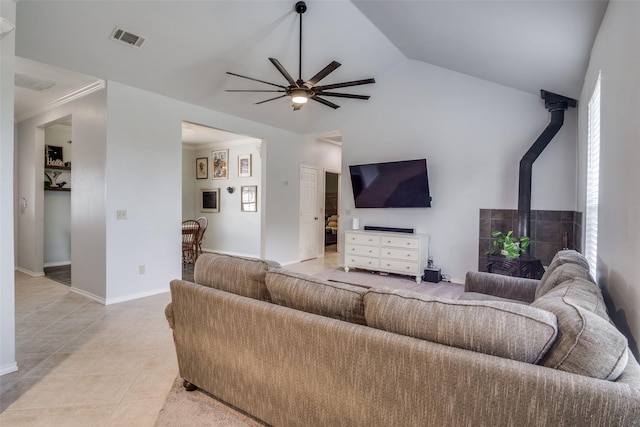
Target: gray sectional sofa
293, 350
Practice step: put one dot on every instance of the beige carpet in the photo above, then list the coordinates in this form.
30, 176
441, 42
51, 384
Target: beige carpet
198, 408
392, 281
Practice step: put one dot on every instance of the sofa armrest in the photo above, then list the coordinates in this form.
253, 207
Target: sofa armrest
168, 312
516, 288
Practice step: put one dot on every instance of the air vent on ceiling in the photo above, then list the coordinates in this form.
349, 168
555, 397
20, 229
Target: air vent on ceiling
131, 39
33, 83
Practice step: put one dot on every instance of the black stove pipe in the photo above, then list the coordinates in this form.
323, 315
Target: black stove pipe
556, 104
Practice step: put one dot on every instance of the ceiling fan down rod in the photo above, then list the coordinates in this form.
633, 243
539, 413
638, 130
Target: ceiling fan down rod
301, 7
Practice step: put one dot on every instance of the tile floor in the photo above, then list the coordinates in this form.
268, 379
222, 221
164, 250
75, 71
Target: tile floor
82, 363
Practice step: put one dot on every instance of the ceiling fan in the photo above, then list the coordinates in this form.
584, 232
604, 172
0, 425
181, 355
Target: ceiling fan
301, 91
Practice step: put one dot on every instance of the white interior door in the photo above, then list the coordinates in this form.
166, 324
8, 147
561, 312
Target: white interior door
309, 214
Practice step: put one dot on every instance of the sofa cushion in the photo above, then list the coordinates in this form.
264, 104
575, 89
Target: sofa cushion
558, 273
584, 293
238, 275
567, 256
330, 299
587, 344
509, 330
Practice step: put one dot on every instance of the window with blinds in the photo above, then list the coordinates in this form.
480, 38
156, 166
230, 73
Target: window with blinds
593, 179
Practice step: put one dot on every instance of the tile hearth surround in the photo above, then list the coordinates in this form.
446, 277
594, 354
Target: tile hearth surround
547, 228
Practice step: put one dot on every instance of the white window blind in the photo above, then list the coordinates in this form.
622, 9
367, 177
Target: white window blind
593, 180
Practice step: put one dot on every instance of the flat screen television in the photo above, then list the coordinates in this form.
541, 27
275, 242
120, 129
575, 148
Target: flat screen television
402, 184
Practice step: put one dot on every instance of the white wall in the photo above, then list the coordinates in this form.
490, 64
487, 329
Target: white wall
473, 134
618, 226
144, 177
88, 234
189, 200
7, 286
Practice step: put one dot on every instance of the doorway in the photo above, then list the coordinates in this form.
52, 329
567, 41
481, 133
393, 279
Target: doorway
56, 259
331, 209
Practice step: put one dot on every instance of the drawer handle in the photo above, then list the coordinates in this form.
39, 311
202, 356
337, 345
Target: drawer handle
408, 268
408, 243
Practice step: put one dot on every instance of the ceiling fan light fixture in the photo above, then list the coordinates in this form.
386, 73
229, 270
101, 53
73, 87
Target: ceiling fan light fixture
299, 96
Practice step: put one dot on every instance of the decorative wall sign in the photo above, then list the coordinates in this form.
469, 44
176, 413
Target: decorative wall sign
244, 165
220, 164
53, 155
210, 200
249, 198
202, 168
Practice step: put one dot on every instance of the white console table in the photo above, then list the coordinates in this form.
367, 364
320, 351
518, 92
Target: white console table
389, 252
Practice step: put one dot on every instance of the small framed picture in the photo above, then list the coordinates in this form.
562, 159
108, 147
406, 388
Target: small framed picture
244, 165
220, 164
209, 200
249, 198
53, 155
202, 168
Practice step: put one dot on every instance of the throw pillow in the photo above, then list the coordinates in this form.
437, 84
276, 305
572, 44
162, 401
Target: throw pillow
587, 344
558, 273
509, 330
238, 275
306, 293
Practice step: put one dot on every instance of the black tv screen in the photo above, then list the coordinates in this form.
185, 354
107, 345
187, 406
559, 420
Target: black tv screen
402, 184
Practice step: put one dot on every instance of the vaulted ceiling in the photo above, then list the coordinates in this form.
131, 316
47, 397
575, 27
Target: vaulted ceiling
190, 45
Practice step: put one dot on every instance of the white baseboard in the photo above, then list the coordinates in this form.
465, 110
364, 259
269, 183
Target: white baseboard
7, 369
137, 296
88, 295
56, 264
29, 273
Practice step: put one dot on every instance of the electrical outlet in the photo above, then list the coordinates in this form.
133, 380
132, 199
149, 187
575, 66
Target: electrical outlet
121, 214
141, 269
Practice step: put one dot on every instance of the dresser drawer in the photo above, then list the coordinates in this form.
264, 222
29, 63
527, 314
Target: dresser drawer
401, 242
362, 239
371, 251
399, 254
402, 267
362, 262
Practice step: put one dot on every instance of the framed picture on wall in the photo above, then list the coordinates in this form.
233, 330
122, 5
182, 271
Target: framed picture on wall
53, 155
249, 198
220, 164
209, 200
244, 165
202, 168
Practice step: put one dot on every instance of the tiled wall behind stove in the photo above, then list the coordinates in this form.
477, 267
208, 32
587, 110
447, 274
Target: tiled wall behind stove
547, 228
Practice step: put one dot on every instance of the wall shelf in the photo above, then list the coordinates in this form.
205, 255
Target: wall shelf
63, 168
57, 189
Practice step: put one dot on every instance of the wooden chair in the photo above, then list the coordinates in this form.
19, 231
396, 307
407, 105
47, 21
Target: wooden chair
190, 236
204, 222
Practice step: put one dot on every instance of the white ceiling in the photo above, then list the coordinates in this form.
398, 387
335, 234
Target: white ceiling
524, 44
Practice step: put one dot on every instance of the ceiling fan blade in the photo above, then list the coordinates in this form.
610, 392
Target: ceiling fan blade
322, 74
345, 84
270, 99
251, 90
343, 95
325, 102
256, 80
284, 72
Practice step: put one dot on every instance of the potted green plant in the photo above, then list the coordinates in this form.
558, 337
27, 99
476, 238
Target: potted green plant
509, 246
